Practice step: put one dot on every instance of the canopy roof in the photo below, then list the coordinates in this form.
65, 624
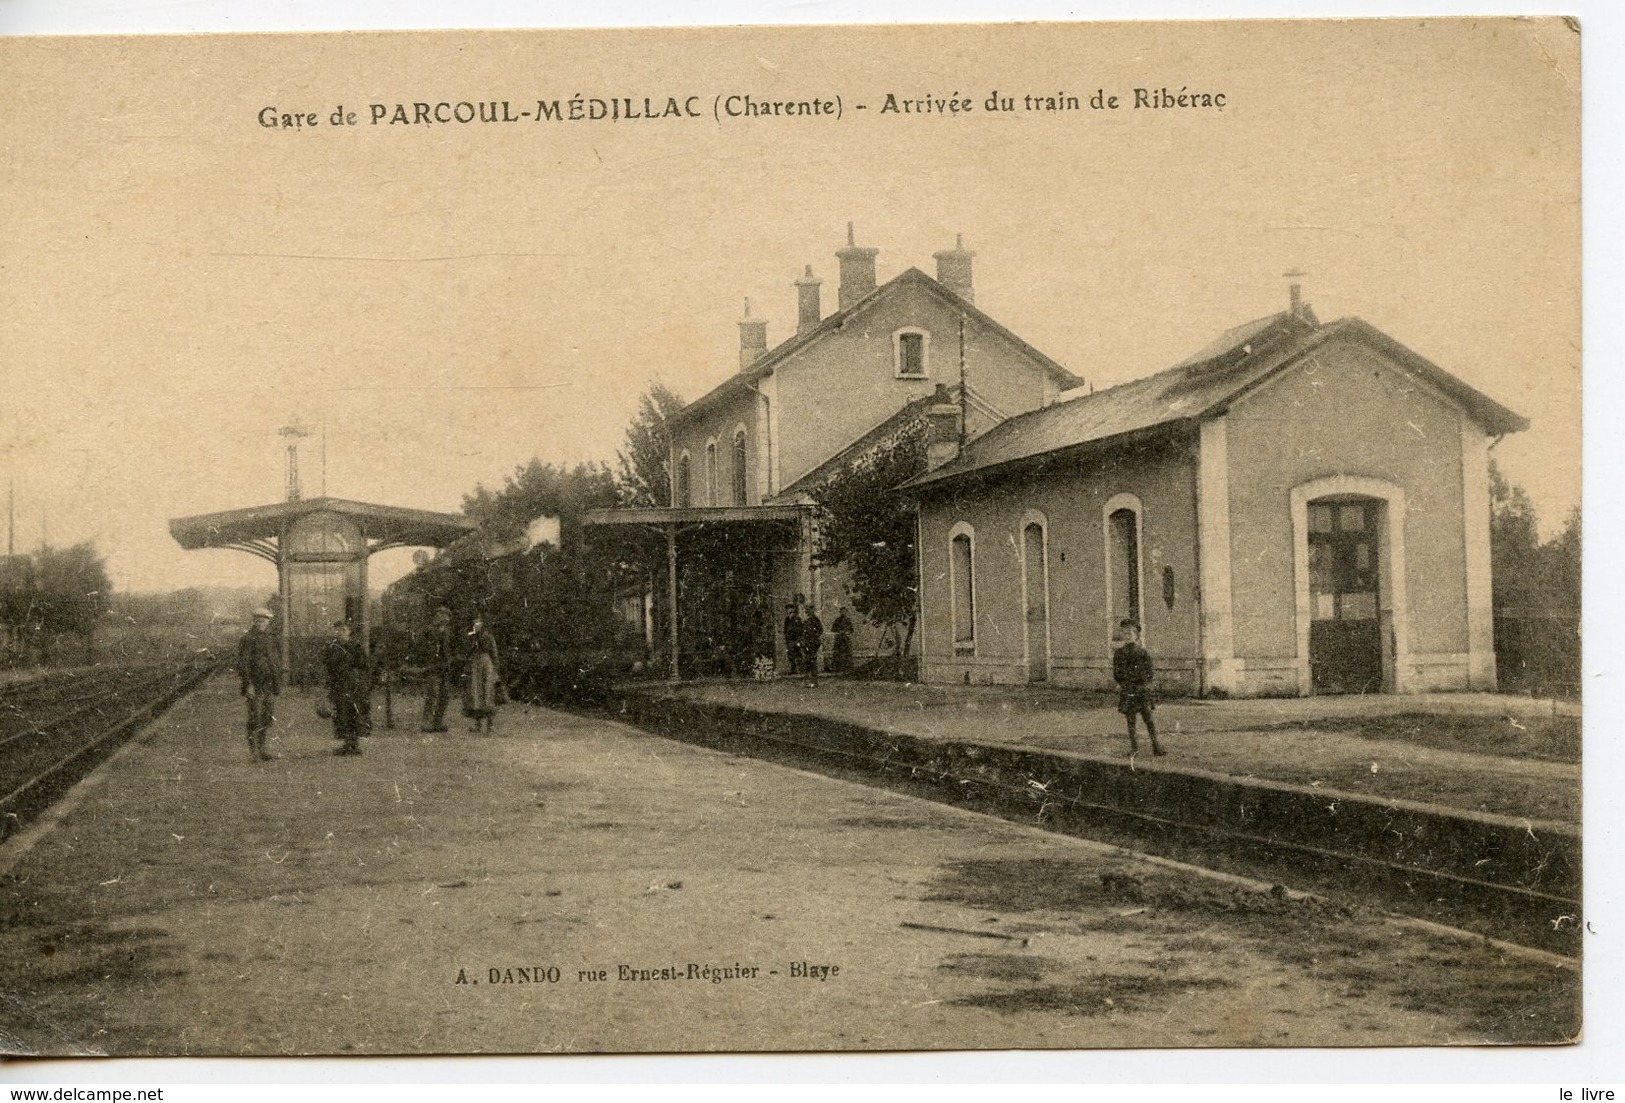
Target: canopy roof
698, 515
383, 526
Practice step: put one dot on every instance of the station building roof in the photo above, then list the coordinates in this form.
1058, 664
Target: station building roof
1198, 387
765, 364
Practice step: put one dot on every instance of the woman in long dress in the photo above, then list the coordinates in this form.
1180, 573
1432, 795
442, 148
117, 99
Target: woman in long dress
480, 692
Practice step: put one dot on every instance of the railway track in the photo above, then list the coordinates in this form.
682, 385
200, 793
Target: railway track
56, 729
1533, 917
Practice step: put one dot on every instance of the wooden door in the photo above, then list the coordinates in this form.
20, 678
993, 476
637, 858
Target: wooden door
1345, 634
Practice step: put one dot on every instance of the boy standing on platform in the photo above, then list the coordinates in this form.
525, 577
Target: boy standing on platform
1134, 671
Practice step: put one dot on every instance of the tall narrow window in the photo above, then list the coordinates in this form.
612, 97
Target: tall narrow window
711, 473
911, 354
739, 467
1123, 567
963, 589
685, 482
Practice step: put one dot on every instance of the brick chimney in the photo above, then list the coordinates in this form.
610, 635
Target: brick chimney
752, 338
953, 269
1295, 303
941, 429
808, 310
857, 270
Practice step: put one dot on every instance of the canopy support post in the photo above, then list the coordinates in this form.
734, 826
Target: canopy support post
671, 598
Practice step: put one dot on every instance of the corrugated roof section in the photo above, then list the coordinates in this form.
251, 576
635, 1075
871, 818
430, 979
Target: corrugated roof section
1232, 339
1198, 386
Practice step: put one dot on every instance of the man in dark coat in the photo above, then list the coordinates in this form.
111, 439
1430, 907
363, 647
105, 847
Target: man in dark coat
1134, 671
261, 682
812, 639
349, 687
841, 659
442, 672
792, 639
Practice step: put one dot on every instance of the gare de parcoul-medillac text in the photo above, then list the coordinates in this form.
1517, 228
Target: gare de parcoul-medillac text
733, 106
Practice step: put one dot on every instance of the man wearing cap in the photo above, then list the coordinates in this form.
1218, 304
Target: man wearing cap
261, 681
442, 672
349, 686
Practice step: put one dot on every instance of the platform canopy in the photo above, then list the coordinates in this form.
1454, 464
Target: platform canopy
659, 517
257, 529
671, 521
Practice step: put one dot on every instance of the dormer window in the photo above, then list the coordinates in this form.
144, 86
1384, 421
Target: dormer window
911, 346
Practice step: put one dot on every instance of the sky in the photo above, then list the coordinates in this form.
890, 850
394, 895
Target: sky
441, 303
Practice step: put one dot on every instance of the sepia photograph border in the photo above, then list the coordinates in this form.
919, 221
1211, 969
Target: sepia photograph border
1594, 1060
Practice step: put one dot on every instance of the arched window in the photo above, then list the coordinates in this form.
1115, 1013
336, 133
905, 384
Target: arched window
685, 482
324, 535
711, 472
962, 586
1035, 594
1124, 581
739, 466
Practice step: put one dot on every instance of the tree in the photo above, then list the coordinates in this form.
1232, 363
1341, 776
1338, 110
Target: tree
72, 594
1535, 594
1561, 573
1514, 547
537, 599
540, 489
551, 608
864, 526
16, 605
645, 459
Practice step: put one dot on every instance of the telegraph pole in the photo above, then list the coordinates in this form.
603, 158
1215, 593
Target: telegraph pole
294, 434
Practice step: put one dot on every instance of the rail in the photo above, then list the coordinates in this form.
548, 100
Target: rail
1545, 915
55, 730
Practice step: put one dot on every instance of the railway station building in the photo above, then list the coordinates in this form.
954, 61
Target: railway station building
739, 527
1297, 508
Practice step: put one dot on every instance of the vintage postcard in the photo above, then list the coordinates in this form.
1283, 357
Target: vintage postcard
1004, 537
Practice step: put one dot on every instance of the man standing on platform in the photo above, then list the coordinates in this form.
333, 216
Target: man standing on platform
261, 682
441, 673
792, 639
812, 640
841, 660
349, 686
